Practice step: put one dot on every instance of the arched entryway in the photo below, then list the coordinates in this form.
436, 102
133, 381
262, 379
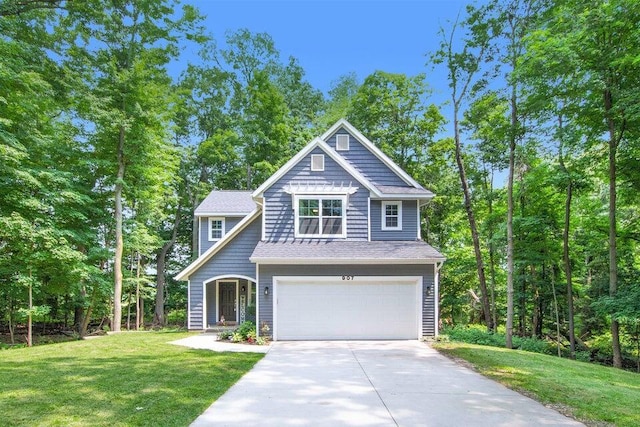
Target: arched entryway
229, 300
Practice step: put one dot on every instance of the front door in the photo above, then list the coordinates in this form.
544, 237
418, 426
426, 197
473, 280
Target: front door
227, 301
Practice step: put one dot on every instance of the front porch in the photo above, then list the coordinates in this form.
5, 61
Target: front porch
229, 302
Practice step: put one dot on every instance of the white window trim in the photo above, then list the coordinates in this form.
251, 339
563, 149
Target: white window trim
210, 229
296, 199
384, 226
317, 168
348, 139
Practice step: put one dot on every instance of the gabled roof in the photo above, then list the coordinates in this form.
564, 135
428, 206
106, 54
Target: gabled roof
342, 123
345, 252
226, 203
191, 268
316, 143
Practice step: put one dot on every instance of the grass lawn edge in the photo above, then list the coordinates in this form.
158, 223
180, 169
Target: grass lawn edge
564, 409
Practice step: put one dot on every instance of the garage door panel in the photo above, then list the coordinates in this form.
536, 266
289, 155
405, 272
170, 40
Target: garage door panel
354, 310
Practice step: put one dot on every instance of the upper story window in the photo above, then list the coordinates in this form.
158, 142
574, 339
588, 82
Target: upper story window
392, 215
216, 228
317, 162
320, 216
342, 142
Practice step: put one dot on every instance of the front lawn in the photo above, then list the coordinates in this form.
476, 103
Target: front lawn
128, 379
592, 393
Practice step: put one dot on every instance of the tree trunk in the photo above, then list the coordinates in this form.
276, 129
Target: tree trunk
195, 236
159, 317
510, 264
486, 309
11, 332
117, 262
29, 317
613, 266
139, 312
492, 259
567, 268
129, 311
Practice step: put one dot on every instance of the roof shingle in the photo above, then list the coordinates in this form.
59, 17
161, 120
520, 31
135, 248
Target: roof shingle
226, 202
340, 251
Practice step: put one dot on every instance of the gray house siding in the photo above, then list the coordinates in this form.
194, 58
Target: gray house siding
266, 273
409, 222
366, 162
233, 259
229, 223
279, 213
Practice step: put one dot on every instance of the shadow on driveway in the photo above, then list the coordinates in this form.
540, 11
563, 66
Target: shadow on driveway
370, 383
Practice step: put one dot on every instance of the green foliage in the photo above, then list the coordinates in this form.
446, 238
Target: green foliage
477, 334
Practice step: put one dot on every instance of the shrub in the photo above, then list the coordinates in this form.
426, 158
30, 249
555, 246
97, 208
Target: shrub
225, 335
245, 329
477, 334
177, 317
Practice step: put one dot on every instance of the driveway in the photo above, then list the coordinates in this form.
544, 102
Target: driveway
370, 383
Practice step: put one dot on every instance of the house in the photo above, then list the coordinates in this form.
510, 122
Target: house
329, 247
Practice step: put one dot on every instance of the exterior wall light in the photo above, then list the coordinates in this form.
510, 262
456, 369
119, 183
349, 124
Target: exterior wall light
428, 289
243, 289
266, 290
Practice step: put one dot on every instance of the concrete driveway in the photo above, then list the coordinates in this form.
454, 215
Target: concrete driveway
370, 383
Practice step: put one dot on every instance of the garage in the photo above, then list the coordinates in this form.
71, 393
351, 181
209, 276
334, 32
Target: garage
347, 307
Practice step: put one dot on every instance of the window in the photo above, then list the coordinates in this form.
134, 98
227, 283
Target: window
342, 142
392, 215
216, 228
320, 216
317, 162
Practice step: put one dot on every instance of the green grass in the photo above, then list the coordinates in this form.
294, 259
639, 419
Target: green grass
128, 379
591, 393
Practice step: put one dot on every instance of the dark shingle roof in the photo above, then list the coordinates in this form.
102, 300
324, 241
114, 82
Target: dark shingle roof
225, 202
344, 252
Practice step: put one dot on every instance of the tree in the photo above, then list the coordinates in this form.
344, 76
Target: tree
464, 70
597, 42
391, 109
487, 120
341, 95
121, 50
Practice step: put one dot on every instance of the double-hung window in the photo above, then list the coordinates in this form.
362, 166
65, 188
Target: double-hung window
392, 215
216, 229
320, 216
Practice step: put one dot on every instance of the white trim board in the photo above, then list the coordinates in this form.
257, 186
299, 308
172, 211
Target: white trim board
371, 147
184, 274
319, 143
329, 261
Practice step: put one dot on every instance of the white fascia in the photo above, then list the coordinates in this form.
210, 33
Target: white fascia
201, 214
328, 261
317, 142
371, 147
184, 274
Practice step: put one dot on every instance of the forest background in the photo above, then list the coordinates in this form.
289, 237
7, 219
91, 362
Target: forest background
105, 151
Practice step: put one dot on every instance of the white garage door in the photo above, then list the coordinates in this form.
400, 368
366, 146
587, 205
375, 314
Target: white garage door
360, 308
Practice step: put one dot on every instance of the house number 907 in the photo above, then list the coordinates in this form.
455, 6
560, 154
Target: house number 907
347, 277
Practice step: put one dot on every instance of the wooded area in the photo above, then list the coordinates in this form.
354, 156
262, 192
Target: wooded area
104, 154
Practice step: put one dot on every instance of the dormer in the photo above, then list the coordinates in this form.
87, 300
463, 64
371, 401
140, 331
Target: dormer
218, 213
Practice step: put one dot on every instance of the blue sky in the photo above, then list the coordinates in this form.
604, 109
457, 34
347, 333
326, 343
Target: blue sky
331, 38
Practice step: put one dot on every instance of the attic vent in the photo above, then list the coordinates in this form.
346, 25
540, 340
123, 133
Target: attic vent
342, 142
317, 162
